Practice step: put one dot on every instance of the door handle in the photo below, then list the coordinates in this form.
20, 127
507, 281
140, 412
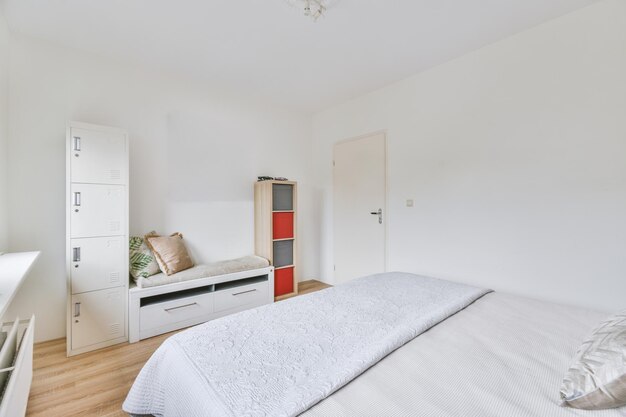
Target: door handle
76, 309
378, 213
77, 198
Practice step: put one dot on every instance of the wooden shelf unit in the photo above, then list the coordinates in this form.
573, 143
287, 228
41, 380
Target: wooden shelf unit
275, 237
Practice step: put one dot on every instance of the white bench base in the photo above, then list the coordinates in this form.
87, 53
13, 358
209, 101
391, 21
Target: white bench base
156, 310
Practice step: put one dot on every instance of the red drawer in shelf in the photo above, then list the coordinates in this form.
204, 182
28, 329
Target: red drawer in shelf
283, 281
283, 225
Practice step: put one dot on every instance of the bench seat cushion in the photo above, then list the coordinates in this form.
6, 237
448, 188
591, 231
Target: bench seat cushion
204, 271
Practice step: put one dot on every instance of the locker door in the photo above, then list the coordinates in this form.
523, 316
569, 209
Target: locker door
97, 210
97, 263
97, 157
97, 317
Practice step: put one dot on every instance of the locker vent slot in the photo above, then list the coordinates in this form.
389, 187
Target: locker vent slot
115, 174
115, 277
115, 328
114, 226
114, 243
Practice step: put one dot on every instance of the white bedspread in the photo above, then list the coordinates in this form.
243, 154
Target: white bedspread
281, 359
503, 356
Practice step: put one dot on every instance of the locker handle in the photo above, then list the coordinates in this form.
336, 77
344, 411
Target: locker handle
76, 255
77, 143
77, 198
76, 309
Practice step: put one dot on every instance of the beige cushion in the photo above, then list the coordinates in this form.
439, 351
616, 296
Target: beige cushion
170, 252
597, 379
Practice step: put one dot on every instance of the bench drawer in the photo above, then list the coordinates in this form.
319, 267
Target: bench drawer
243, 296
175, 311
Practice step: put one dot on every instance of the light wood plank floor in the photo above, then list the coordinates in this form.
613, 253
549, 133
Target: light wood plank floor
96, 383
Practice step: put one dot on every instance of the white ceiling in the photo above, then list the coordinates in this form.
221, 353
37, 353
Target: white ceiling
267, 49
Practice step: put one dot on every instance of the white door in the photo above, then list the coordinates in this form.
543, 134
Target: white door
359, 196
97, 317
97, 210
98, 157
97, 263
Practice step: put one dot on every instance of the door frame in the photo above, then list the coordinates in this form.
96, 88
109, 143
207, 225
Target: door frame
386, 197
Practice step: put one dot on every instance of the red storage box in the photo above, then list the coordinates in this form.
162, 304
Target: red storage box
283, 281
283, 225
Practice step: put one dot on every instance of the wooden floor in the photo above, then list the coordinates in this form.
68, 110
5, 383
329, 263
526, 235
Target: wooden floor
306, 287
96, 383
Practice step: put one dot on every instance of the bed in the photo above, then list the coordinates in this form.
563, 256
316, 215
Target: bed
423, 347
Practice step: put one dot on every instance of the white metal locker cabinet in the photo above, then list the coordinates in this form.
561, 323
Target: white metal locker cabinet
98, 317
98, 263
96, 237
98, 157
97, 210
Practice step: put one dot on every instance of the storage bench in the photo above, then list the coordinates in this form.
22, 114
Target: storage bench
164, 308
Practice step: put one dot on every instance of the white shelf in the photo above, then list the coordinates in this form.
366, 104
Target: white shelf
13, 269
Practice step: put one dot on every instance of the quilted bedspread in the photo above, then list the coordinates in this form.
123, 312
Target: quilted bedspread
283, 358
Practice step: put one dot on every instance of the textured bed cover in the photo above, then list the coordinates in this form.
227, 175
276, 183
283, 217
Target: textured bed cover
282, 358
503, 356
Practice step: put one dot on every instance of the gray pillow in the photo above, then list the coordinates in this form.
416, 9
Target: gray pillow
597, 379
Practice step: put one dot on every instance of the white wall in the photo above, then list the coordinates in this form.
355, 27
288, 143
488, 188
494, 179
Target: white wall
195, 154
516, 158
4, 66
514, 155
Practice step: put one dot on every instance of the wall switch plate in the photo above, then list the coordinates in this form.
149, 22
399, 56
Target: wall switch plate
409, 203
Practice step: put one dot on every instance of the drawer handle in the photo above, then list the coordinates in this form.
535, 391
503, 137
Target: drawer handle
176, 308
244, 292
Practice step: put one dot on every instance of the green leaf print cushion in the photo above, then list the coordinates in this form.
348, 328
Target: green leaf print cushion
142, 261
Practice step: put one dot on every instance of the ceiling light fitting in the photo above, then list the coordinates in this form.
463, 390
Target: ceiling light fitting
312, 8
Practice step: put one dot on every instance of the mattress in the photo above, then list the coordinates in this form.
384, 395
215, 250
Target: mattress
245, 263
503, 356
